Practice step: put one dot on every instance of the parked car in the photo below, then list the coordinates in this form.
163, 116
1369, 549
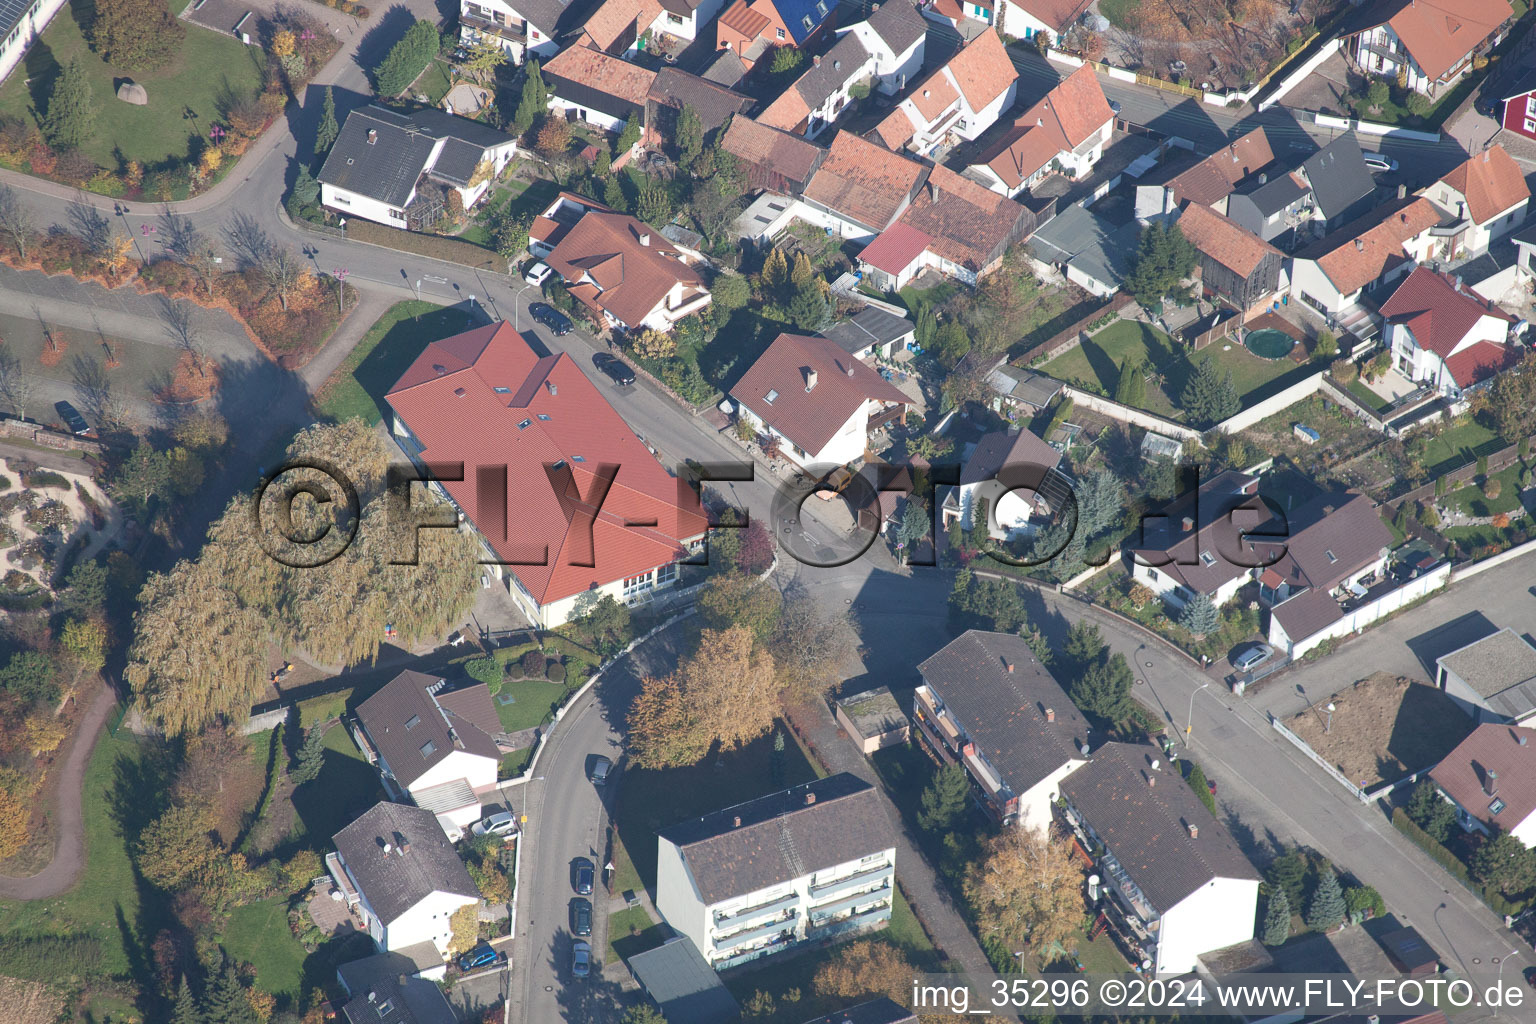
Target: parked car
601, 766
582, 874
1380, 162
550, 317
481, 956
1252, 657
581, 958
498, 824
72, 419
538, 273
581, 917
616, 369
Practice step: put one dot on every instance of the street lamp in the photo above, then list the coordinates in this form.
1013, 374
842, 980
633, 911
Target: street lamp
1328, 726
1500, 979
1190, 718
341, 273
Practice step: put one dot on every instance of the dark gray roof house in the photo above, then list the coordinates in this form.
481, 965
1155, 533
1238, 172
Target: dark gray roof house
381, 154
1270, 207
413, 723
725, 69
876, 1011
386, 989
782, 836
672, 89
688, 990
872, 328
1162, 835
1081, 241
1341, 183
398, 856
1025, 387
1493, 679
899, 24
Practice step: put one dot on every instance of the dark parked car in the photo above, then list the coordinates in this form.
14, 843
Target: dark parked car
71, 417
615, 368
481, 956
581, 917
550, 317
582, 874
601, 766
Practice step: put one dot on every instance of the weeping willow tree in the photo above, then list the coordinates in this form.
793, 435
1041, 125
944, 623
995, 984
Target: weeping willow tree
308, 566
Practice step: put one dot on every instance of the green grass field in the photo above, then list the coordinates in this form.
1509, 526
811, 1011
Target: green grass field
630, 931
1472, 500
258, 934
356, 388
211, 70
1459, 445
347, 786
534, 701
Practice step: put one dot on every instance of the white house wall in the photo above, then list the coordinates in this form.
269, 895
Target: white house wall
677, 898
589, 115
1035, 805
350, 204
430, 920
26, 31
478, 771
1219, 914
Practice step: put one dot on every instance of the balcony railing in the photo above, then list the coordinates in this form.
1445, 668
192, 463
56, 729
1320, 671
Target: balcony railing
881, 895
726, 919
859, 879
742, 938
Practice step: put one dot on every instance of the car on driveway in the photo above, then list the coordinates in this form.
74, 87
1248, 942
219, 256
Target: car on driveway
615, 368
550, 317
601, 767
538, 273
498, 824
582, 874
1252, 657
581, 917
72, 419
1380, 163
581, 958
481, 956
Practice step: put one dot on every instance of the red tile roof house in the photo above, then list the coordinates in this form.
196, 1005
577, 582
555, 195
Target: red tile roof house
860, 188
1332, 274
1489, 192
1236, 265
754, 28
626, 27
1196, 544
1334, 551
821, 402
624, 271
1208, 182
1433, 42
555, 482
1064, 133
1442, 334
960, 100
1491, 779
597, 88
1029, 18
953, 226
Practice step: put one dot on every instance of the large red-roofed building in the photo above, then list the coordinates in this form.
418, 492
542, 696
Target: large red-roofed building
557, 487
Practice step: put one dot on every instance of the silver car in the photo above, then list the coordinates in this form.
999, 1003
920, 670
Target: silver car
498, 824
1252, 658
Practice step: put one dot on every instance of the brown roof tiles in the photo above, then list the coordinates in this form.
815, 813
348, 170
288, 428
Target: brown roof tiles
1500, 758
602, 72
982, 70
1491, 181
1223, 240
1360, 252
864, 182
1439, 33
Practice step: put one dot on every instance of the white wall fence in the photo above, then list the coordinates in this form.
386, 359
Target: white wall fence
1304, 69
1357, 619
1493, 561
266, 720
1312, 755
1352, 124
1125, 414
1273, 404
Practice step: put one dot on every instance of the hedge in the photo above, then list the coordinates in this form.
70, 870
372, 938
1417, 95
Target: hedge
1448, 860
28, 602
449, 250
407, 59
48, 957
44, 478
484, 670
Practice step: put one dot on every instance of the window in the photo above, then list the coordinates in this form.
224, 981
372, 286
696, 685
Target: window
428, 749
558, 465
1152, 574
1207, 559
412, 722
637, 584
544, 417
502, 391
821, 8
1530, 125
1496, 806
666, 574
337, 197
1331, 556
524, 425
779, 32
386, 1008
773, 393
807, 22
578, 458
674, 18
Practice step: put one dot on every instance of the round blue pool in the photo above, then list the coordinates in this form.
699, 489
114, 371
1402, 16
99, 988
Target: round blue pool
1268, 343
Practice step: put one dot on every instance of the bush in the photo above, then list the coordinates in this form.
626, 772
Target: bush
44, 478
533, 663
1361, 898
1493, 488
484, 670
555, 672
48, 957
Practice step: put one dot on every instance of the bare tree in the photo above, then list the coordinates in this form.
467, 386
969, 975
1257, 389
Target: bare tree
248, 240
15, 220
176, 315
10, 370
94, 388
193, 249
282, 267
21, 393
90, 224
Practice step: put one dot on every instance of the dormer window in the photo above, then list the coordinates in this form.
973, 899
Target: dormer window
428, 749
386, 1008
821, 8
771, 396
807, 22
1207, 559
412, 722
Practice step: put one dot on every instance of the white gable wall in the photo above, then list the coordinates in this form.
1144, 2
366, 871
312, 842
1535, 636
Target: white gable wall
1220, 913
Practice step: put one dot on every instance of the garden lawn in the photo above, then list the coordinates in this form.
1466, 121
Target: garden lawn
1095, 364
210, 69
347, 786
258, 934
630, 932
1367, 397
1473, 502
1255, 378
533, 705
512, 764
652, 800
356, 388
1459, 445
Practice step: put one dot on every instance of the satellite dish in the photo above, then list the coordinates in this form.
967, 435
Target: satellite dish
1093, 879
1155, 763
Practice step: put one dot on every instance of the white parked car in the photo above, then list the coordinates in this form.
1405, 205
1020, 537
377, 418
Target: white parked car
538, 273
498, 824
1380, 163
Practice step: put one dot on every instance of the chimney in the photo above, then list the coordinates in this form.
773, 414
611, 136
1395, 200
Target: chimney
1009, 666
810, 380
1360, 245
553, 390
1458, 282
373, 136
810, 798
1050, 714
1521, 739
645, 238
1194, 831
850, 369
1151, 780
736, 822
1491, 782
815, 62
933, 190
1188, 523
1402, 191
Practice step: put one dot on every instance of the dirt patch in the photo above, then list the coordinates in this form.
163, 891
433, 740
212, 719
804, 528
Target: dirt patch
28, 1002
1384, 727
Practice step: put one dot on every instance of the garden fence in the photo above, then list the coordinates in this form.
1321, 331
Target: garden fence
1303, 746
